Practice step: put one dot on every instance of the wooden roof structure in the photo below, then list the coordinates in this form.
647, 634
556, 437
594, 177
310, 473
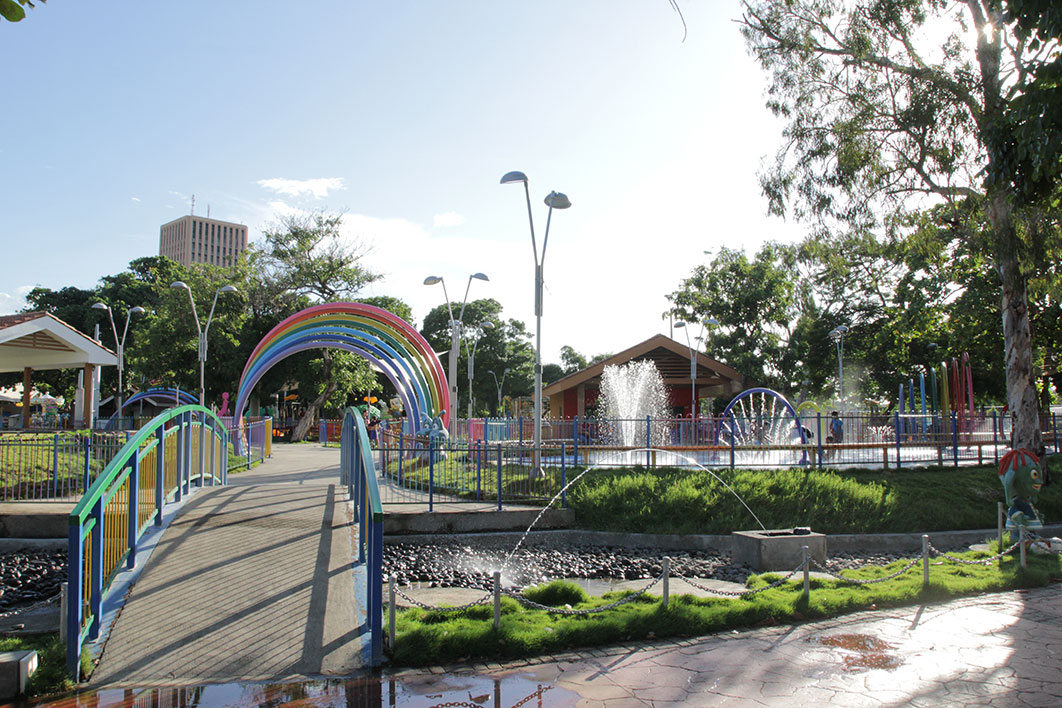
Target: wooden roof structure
672, 359
42, 341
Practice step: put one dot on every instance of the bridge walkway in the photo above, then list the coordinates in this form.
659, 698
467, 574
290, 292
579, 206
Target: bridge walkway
251, 581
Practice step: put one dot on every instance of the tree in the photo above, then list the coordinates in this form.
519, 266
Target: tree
881, 119
11, 10
307, 255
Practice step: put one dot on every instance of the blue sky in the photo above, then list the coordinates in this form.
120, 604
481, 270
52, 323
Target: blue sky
403, 116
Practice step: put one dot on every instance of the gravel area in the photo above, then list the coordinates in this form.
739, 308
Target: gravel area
469, 566
29, 576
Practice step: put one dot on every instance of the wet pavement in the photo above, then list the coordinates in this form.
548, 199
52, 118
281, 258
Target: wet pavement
1002, 650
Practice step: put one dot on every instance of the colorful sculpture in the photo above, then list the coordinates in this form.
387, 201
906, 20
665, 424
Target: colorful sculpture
1019, 472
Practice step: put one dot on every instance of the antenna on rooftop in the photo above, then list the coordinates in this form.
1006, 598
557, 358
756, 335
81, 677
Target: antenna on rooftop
208, 211
193, 205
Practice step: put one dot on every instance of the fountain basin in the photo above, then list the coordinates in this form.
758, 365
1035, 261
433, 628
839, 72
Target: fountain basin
777, 549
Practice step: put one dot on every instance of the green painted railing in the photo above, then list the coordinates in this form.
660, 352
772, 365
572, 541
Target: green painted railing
157, 464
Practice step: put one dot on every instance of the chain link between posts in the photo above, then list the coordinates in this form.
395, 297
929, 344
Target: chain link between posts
40, 603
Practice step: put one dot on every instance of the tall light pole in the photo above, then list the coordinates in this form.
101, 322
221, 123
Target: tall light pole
455, 341
202, 330
119, 343
837, 335
499, 385
479, 332
710, 322
554, 200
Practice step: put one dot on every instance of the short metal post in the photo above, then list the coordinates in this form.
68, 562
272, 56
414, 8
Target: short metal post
63, 600
807, 573
665, 571
55, 465
925, 561
497, 600
999, 529
391, 611
896, 428
1021, 539
564, 478
499, 477
955, 436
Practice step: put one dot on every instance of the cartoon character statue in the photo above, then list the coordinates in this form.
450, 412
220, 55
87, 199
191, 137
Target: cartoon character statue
1019, 471
437, 435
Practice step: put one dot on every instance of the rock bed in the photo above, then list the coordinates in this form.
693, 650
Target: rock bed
30, 575
456, 565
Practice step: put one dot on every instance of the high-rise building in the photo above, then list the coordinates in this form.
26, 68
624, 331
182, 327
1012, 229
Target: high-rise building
197, 239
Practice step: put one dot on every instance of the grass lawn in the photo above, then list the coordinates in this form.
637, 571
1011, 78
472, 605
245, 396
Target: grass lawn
51, 676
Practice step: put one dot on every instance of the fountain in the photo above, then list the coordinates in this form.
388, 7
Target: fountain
631, 393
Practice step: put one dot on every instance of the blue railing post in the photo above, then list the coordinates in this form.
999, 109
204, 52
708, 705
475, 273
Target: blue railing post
160, 472
134, 508
575, 437
96, 588
75, 600
88, 468
431, 473
520, 422
648, 438
955, 436
263, 440
213, 453
500, 475
479, 460
733, 434
55, 465
401, 452
995, 437
896, 427
564, 478
818, 435
248, 445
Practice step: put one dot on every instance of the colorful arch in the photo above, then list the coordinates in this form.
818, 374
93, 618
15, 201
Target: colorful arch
386, 340
159, 397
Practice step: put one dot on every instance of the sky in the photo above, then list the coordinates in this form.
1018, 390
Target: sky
403, 116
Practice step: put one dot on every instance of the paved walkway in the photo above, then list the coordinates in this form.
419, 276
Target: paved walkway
997, 650
250, 581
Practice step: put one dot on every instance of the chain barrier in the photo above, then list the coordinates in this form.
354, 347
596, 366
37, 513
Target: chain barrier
870, 581
565, 611
40, 603
1037, 537
980, 561
742, 593
486, 599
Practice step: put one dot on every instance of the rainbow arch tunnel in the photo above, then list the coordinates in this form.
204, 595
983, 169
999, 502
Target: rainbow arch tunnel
386, 340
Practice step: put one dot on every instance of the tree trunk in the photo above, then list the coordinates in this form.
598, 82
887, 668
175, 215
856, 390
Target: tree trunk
1017, 337
302, 428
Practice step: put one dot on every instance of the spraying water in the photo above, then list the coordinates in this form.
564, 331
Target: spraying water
631, 393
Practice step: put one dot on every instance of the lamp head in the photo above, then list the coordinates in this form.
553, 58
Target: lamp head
711, 322
486, 325
479, 276
842, 328
680, 323
512, 177
100, 306
179, 284
557, 200
227, 289
137, 310
432, 280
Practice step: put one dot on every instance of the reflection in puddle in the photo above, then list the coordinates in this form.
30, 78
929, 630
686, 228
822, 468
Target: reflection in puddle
417, 691
863, 651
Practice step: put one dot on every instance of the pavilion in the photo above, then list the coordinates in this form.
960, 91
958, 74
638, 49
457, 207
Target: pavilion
573, 394
39, 341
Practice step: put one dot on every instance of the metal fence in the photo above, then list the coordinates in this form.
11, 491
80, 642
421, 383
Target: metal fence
250, 441
53, 465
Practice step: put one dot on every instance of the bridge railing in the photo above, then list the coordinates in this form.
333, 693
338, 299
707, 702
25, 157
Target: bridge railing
358, 473
156, 465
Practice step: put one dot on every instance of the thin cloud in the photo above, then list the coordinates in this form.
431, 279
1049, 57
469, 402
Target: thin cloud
135, 199
10, 303
447, 220
317, 188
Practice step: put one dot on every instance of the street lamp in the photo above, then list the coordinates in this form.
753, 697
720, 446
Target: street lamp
479, 332
499, 385
554, 200
710, 322
119, 343
837, 335
204, 330
455, 341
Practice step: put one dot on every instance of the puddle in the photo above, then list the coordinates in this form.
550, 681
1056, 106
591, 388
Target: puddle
862, 651
417, 691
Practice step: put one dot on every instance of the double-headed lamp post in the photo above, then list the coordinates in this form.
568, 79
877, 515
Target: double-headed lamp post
202, 330
471, 349
499, 385
119, 343
837, 335
710, 322
554, 200
455, 341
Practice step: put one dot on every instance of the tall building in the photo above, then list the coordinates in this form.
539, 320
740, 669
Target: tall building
198, 239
